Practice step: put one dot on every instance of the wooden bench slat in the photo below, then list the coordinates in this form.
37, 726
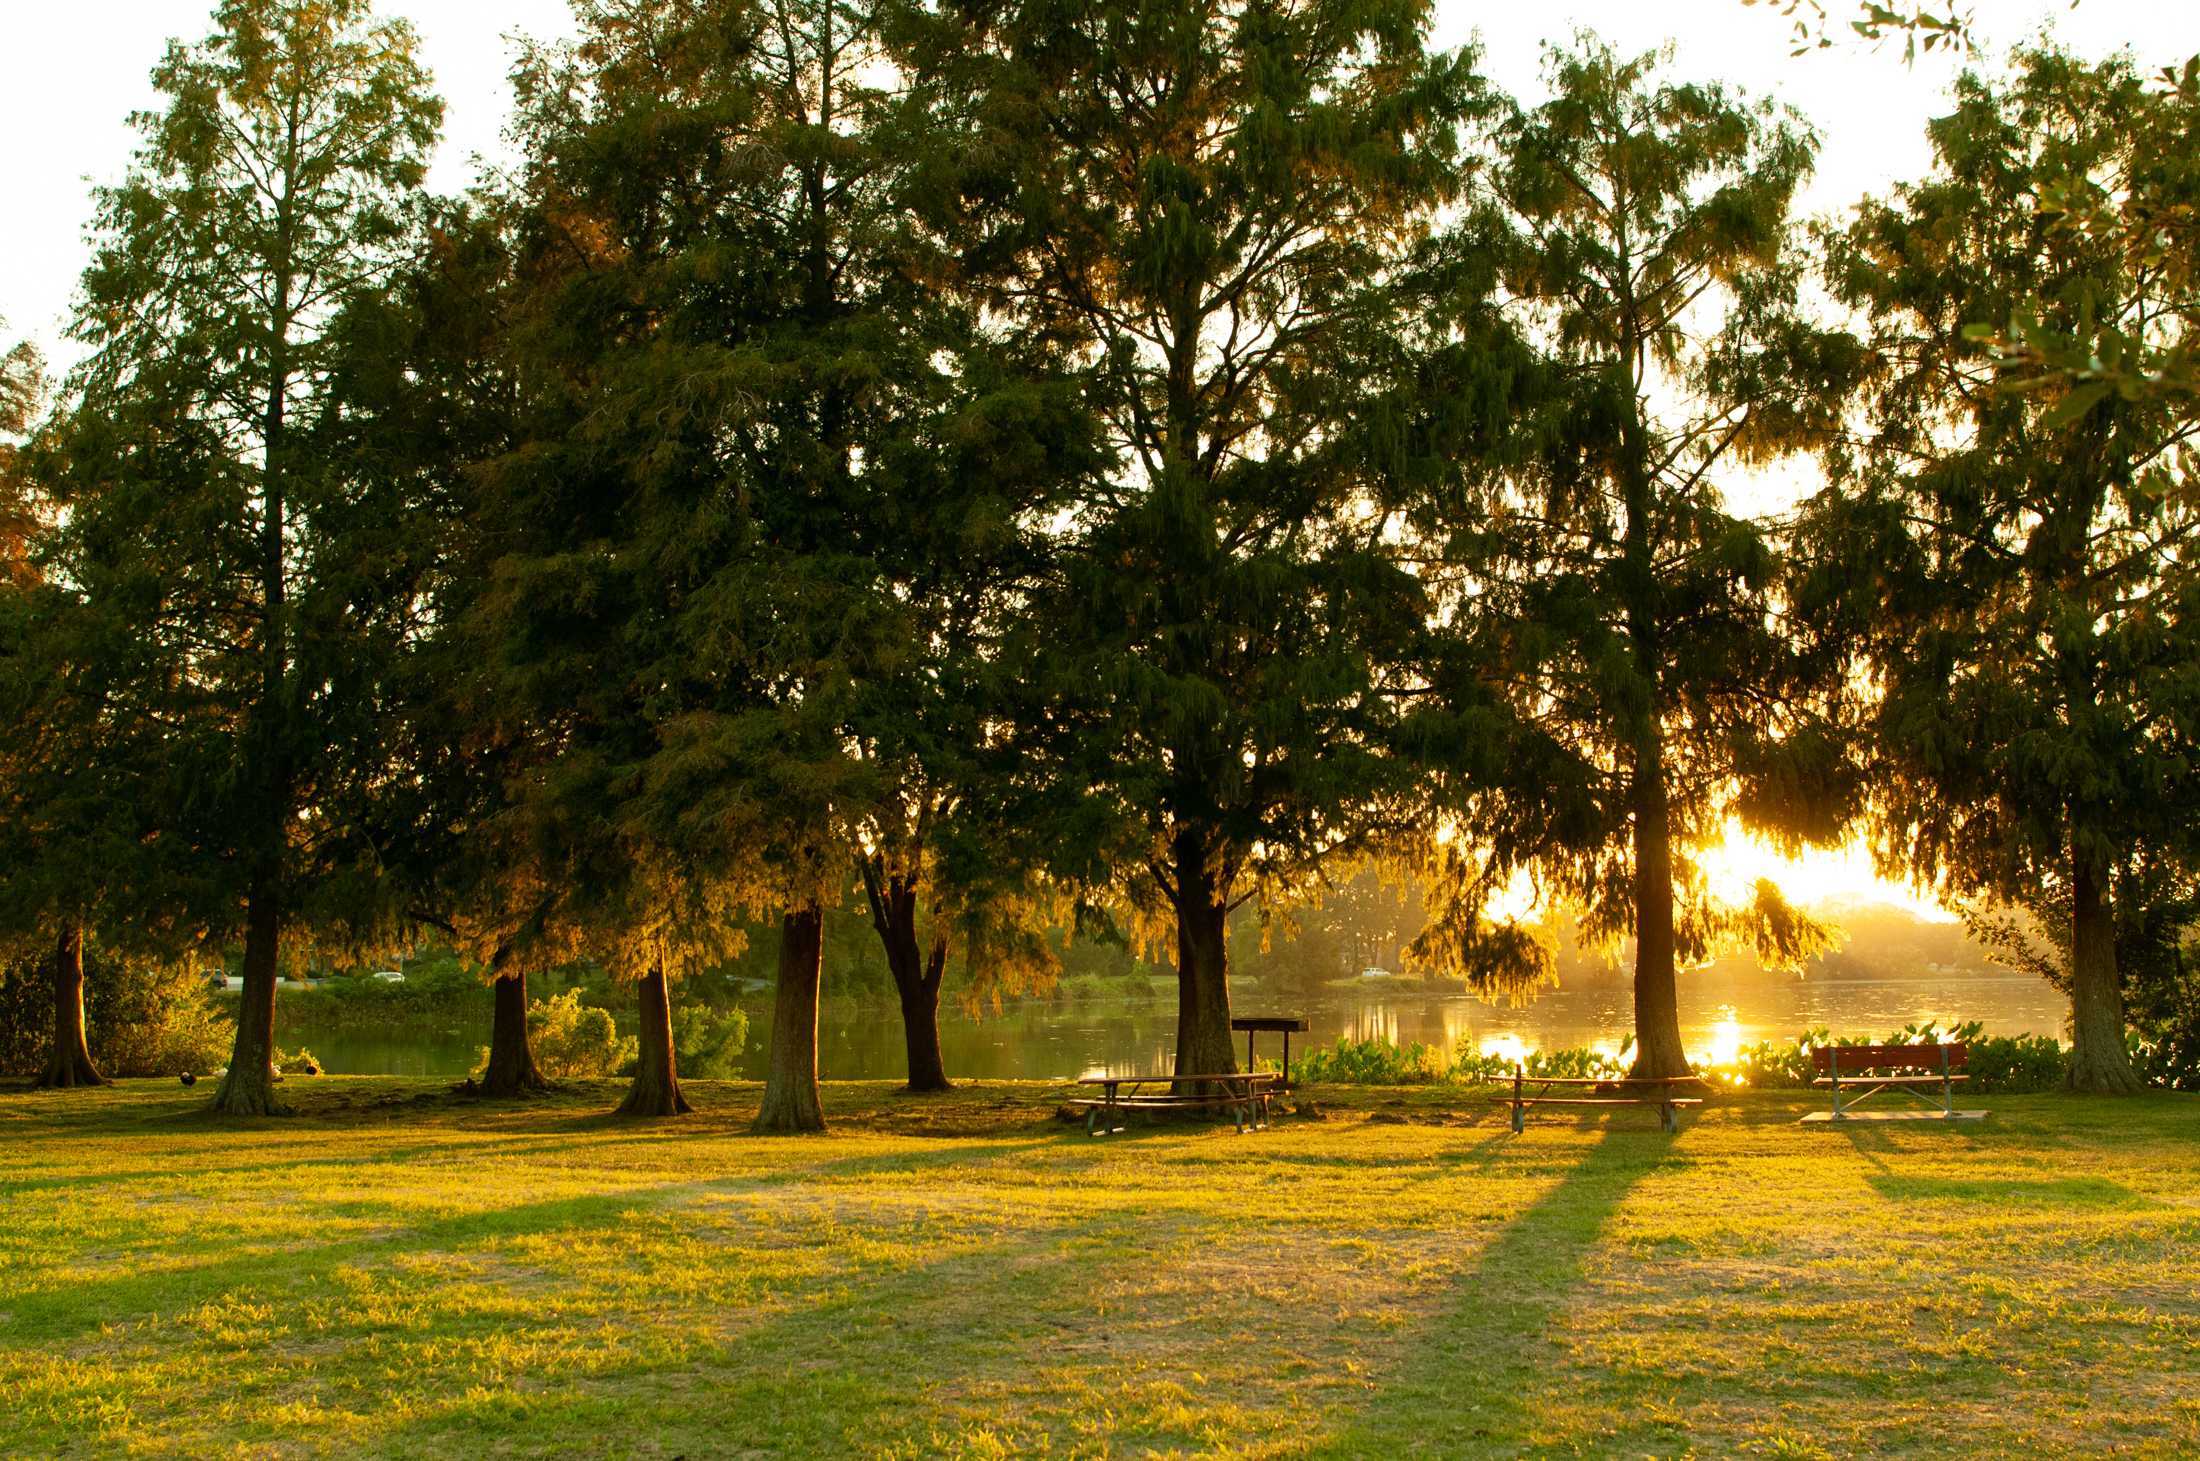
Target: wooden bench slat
1609, 1080
1901, 1057
1861, 1079
1609, 1101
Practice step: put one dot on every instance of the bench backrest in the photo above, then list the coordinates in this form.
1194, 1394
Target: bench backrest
1891, 1057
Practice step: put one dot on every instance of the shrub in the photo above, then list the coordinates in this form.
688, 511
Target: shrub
1372, 1063
710, 1043
140, 1019
575, 1041
1998, 1064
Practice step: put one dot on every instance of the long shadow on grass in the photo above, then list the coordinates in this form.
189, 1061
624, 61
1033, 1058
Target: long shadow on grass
78, 1308
1473, 1381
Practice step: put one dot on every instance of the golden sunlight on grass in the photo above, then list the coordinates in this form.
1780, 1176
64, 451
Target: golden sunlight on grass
398, 1272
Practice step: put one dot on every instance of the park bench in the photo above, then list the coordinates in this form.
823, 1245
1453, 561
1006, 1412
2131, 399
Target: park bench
1244, 1096
1284, 1025
1856, 1073
1658, 1091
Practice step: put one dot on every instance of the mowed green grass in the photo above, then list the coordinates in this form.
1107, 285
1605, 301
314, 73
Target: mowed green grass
399, 1271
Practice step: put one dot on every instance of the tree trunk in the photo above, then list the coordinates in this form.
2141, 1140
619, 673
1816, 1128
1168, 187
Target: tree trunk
70, 1061
1203, 1044
920, 1023
249, 1087
791, 1100
916, 977
512, 1070
656, 1088
1658, 1052
2100, 1062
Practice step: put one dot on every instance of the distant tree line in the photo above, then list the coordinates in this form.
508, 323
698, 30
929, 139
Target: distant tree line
1096, 466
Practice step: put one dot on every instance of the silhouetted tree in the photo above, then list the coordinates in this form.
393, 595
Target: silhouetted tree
1631, 616
2014, 564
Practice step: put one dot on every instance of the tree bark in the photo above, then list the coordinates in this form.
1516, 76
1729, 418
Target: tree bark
920, 1024
512, 1070
70, 1061
249, 1087
1658, 1052
917, 977
2100, 1061
1203, 1044
656, 1088
791, 1099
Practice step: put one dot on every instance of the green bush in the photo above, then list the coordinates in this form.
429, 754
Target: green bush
1998, 1064
140, 1019
436, 983
575, 1041
1372, 1063
710, 1043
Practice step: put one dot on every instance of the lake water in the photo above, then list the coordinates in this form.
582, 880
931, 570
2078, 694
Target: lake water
1050, 1041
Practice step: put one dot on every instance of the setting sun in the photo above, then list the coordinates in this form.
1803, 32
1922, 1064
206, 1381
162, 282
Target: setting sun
1818, 876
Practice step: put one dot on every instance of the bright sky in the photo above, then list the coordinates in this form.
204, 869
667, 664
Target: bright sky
71, 73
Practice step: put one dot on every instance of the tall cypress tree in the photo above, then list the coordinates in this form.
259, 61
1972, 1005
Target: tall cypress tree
274, 184
1631, 615
2015, 564
1210, 206
782, 446
432, 393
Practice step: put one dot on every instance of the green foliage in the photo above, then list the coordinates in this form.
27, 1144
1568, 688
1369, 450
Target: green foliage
1372, 1063
1620, 610
574, 1041
297, 1062
1998, 1064
1214, 212
140, 1018
2009, 567
233, 580
710, 1044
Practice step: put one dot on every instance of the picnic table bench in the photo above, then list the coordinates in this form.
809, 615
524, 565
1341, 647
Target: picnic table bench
1658, 1091
1244, 1096
1856, 1073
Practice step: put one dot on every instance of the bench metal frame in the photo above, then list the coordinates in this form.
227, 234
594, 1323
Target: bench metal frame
1245, 1096
1662, 1097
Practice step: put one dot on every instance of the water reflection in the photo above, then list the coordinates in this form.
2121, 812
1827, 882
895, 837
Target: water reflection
863, 1042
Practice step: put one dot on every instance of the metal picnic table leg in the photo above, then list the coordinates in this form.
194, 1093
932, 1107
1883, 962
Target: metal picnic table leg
1287, 1060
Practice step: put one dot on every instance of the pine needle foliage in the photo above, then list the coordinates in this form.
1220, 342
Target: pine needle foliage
1212, 205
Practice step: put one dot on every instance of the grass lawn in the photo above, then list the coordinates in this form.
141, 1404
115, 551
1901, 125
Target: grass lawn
399, 1271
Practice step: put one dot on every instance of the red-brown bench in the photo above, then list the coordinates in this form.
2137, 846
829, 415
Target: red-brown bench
1856, 1073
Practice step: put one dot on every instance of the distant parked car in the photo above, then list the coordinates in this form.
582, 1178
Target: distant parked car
390, 976
225, 981
1373, 973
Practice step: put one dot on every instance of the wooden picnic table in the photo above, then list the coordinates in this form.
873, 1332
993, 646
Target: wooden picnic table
1243, 1093
1285, 1025
1656, 1091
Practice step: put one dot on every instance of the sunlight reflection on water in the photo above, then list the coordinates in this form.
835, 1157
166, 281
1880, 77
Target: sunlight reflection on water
863, 1041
